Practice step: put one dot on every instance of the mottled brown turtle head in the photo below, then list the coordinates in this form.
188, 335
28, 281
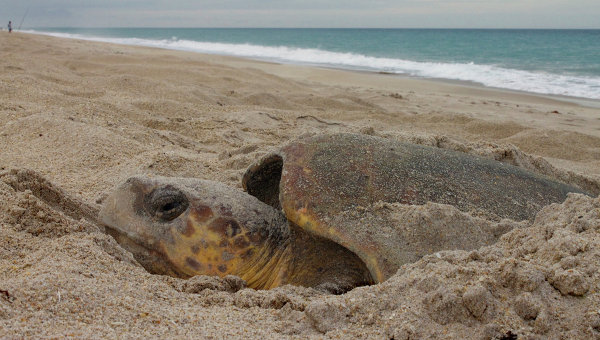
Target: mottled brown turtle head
185, 227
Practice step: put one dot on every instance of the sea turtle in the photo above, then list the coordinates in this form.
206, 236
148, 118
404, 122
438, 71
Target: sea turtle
298, 221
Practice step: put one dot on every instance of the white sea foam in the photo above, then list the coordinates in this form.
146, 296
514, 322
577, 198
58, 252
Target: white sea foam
488, 75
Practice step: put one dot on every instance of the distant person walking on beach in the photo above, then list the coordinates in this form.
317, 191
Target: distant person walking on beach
9, 26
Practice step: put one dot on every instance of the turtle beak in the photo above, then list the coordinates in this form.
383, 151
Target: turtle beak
121, 211
124, 220
153, 261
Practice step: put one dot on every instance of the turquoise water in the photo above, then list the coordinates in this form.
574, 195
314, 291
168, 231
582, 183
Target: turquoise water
559, 62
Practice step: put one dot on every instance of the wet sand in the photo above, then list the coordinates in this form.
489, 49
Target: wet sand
81, 117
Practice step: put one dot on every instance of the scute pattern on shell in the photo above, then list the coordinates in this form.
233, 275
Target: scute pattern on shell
326, 177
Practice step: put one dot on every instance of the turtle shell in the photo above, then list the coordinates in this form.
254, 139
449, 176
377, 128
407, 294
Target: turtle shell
322, 183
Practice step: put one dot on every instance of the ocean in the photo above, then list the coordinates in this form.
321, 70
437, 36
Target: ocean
553, 62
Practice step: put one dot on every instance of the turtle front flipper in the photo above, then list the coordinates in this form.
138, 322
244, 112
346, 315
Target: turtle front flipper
278, 179
262, 179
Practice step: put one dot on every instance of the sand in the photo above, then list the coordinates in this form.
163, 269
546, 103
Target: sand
78, 118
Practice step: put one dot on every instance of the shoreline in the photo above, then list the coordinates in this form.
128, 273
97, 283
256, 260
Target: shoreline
581, 101
584, 101
448, 85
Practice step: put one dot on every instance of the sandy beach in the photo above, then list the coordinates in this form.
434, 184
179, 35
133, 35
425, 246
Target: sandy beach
78, 118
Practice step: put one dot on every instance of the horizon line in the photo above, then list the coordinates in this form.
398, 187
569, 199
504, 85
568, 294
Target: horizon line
365, 28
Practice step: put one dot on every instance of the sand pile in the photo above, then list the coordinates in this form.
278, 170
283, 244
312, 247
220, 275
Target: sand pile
63, 276
77, 118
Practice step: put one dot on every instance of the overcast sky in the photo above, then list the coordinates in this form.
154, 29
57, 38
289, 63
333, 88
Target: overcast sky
305, 13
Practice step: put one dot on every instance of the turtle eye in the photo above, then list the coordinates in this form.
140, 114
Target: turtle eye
166, 203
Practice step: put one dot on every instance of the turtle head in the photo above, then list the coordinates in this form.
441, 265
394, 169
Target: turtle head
184, 227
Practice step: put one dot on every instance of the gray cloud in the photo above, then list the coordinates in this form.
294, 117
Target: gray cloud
306, 13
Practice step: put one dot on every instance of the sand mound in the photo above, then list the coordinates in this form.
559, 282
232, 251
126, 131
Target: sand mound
538, 279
